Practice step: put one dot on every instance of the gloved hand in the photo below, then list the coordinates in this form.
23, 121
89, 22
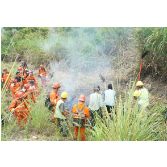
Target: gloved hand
41, 75
46, 77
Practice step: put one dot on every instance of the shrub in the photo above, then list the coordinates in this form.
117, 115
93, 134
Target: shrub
155, 41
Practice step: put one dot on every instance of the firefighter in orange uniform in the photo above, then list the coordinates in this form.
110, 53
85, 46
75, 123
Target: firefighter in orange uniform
14, 87
23, 66
5, 78
54, 98
20, 109
23, 75
31, 77
80, 112
24, 90
42, 74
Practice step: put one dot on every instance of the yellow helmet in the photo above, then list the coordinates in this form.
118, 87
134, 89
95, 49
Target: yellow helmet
64, 95
136, 93
139, 83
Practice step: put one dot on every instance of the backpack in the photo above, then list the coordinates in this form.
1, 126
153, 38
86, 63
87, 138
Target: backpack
48, 103
79, 122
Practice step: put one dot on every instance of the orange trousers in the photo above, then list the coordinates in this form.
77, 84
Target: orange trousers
21, 116
82, 133
43, 81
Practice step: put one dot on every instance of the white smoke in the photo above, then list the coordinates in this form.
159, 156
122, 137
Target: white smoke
81, 61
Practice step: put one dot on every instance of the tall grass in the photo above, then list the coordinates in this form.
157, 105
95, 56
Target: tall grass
128, 123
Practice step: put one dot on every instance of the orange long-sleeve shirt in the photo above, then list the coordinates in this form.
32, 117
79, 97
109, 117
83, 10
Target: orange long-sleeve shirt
80, 106
18, 107
54, 96
24, 75
5, 77
15, 89
24, 67
42, 71
20, 111
15, 103
32, 78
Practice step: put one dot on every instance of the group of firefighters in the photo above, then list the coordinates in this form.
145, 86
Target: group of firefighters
25, 88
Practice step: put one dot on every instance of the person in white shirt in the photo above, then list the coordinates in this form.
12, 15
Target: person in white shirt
109, 96
32, 85
95, 105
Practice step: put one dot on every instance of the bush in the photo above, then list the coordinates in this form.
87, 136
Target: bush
26, 42
153, 40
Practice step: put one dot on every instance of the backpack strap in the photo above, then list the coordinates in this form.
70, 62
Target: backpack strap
80, 111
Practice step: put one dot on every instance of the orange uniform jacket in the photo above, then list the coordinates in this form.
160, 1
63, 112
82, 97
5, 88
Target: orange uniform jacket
54, 96
15, 89
42, 71
32, 78
25, 94
82, 129
4, 77
24, 75
24, 67
20, 110
80, 106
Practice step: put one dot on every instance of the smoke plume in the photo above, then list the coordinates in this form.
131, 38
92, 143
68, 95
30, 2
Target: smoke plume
81, 62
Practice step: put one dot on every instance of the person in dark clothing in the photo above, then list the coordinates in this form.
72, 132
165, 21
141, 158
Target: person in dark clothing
18, 77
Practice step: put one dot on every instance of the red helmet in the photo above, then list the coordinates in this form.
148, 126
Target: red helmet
30, 90
19, 69
5, 69
56, 85
82, 98
42, 66
13, 80
26, 86
20, 95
